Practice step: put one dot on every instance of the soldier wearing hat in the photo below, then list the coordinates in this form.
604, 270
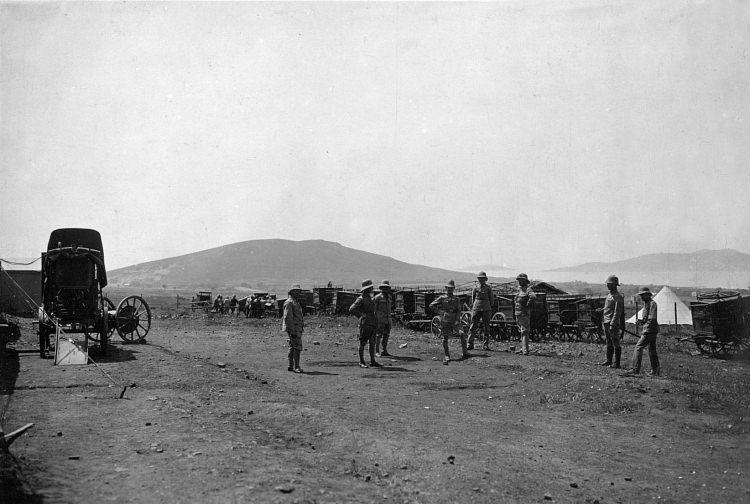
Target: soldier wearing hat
293, 324
613, 321
481, 310
383, 306
449, 308
522, 309
650, 328
364, 309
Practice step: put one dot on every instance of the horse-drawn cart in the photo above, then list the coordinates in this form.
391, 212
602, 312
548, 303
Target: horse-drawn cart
73, 276
721, 323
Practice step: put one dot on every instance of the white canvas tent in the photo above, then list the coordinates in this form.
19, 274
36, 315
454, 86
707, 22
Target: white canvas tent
665, 302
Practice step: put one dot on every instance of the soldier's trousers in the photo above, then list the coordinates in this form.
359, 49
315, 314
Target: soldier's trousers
647, 340
366, 336
382, 333
448, 330
480, 317
524, 326
612, 337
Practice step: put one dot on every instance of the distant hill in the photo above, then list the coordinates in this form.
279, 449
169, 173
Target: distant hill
702, 260
275, 264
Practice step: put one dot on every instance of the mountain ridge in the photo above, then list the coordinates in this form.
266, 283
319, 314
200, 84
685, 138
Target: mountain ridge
702, 260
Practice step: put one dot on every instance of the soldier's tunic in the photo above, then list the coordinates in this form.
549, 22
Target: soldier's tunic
292, 323
648, 338
383, 307
481, 311
449, 308
522, 309
612, 318
364, 308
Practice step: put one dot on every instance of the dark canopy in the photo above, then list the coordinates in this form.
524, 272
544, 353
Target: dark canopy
79, 237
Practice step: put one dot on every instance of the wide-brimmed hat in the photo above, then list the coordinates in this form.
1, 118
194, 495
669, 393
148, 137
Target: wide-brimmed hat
481, 274
450, 284
366, 285
612, 279
522, 276
294, 287
644, 291
384, 284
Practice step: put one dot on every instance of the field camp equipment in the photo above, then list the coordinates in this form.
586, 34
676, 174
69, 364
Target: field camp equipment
671, 311
202, 301
721, 323
73, 276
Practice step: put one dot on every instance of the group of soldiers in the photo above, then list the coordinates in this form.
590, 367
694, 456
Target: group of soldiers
374, 314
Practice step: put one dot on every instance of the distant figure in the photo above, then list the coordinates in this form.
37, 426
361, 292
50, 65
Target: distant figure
364, 309
233, 304
292, 322
218, 304
613, 320
449, 308
226, 305
330, 284
481, 310
256, 307
650, 328
522, 309
383, 307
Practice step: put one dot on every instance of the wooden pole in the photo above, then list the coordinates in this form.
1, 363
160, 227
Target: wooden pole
675, 317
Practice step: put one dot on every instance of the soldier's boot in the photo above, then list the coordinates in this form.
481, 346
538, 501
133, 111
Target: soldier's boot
362, 354
378, 339
610, 353
297, 354
373, 362
616, 364
385, 353
291, 360
464, 349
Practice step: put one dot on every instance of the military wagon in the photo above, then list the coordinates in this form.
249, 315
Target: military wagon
721, 323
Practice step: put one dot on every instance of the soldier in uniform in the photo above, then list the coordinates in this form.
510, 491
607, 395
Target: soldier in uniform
650, 328
293, 324
449, 308
522, 309
383, 306
613, 320
364, 309
481, 310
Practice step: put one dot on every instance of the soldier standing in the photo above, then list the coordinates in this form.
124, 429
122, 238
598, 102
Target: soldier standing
383, 306
613, 320
449, 308
293, 324
522, 310
650, 328
364, 309
481, 310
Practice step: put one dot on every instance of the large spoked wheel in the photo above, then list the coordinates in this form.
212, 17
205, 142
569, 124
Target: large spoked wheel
722, 348
497, 322
436, 327
133, 319
104, 331
465, 321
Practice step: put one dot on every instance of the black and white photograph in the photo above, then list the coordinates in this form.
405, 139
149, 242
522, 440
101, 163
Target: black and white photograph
375, 252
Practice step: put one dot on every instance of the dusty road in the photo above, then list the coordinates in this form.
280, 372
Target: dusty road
216, 417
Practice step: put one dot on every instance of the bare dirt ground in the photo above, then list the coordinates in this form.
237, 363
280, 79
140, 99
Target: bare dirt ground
214, 416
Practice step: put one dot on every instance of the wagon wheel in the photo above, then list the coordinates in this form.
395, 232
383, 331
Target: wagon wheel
133, 319
722, 348
103, 329
436, 327
497, 323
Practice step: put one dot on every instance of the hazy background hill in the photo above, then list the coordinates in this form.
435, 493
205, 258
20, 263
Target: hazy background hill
702, 260
276, 263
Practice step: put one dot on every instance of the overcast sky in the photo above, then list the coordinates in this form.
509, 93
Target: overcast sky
535, 134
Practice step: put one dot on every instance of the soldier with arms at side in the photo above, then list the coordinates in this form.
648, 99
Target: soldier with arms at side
383, 307
522, 309
449, 308
481, 310
364, 309
613, 320
292, 323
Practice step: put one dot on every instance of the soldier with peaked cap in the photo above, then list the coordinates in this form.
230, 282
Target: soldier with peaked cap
522, 303
481, 310
364, 309
613, 321
293, 324
650, 328
449, 308
383, 305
